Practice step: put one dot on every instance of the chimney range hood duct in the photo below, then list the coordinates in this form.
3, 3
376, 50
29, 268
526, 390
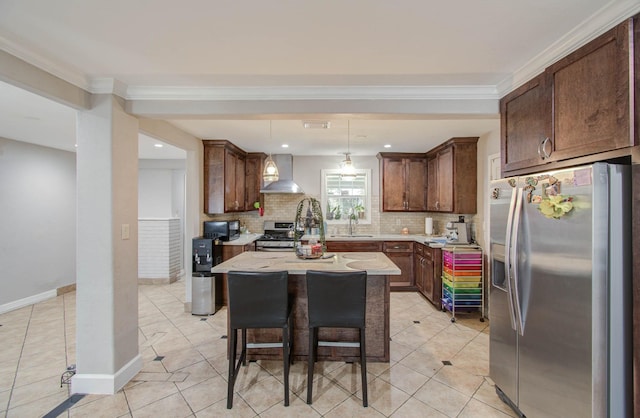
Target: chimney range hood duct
285, 183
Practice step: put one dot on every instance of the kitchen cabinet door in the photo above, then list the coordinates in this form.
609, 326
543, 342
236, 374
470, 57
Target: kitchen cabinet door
432, 184
224, 177
228, 252
444, 180
525, 118
254, 165
452, 176
433, 275
234, 195
403, 182
416, 184
591, 97
401, 253
418, 267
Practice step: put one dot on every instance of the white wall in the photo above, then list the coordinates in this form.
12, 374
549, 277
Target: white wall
37, 220
161, 188
161, 195
154, 193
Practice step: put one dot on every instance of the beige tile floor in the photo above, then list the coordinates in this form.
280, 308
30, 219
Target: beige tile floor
38, 343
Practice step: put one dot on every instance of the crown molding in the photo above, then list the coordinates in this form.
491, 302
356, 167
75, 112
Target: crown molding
313, 93
55, 68
601, 21
108, 85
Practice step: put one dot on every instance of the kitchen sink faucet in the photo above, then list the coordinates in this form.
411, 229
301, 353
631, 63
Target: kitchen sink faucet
352, 225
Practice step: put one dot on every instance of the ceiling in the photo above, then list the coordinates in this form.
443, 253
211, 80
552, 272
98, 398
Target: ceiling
407, 73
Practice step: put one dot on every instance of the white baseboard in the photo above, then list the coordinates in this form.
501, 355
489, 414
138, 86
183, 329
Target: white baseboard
106, 384
21, 303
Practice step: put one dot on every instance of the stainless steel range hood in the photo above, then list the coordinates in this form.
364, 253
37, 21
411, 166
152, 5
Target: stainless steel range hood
285, 183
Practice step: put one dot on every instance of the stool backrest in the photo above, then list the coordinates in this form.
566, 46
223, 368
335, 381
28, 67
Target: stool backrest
257, 299
336, 298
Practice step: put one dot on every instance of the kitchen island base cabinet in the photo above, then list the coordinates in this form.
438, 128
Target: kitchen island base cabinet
377, 325
401, 253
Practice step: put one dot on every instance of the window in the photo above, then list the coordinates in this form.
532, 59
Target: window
346, 196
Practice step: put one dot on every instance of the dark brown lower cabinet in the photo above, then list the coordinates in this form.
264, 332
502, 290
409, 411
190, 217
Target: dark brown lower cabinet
428, 272
228, 252
401, 253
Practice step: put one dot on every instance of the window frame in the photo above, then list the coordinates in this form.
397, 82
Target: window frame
366, 172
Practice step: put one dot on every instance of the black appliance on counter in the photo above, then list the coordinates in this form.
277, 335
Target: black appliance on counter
206, 288
223, 230
278, 236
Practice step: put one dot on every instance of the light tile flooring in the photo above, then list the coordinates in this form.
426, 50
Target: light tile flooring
38, 343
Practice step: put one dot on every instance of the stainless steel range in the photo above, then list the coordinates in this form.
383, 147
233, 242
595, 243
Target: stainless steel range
278, 236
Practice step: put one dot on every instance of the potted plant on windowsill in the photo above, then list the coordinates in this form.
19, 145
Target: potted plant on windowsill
358, 210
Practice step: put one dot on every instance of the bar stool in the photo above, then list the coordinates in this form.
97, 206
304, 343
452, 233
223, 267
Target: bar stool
337, 300
258, 300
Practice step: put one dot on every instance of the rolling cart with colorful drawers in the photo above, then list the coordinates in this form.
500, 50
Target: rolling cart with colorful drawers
462, 285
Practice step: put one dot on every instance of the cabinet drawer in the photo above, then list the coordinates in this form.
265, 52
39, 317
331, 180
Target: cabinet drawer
420, 249
398, 247
354, 246
428, 254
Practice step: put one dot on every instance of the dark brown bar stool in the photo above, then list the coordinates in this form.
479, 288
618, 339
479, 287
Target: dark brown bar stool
336, 300
258, 300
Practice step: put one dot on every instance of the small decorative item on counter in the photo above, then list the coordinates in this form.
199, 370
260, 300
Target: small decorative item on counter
309, 251
405, 231
312, 223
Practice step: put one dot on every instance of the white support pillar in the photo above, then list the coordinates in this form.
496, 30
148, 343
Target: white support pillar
107, 354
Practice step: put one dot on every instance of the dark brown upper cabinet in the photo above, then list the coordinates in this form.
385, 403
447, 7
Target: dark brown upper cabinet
452, 176
403, 182
580, 107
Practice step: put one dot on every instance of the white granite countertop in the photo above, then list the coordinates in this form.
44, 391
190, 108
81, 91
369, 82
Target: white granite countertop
375, 263
244, 239
420, 238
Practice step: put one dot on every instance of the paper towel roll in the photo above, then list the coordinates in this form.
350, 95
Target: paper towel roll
428, 226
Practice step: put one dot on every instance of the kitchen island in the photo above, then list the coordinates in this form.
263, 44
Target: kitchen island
378, 267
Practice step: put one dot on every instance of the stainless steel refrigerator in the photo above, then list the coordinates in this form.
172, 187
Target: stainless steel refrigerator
560, 294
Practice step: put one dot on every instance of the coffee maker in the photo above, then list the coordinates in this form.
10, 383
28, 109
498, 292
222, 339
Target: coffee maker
206, 288
458, 232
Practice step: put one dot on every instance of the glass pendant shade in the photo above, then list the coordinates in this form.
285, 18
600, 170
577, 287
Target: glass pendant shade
347, 170
270, 172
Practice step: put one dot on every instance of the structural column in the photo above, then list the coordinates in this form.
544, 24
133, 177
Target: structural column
107, 354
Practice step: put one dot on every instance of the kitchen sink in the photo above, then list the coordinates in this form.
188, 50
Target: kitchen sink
351, 236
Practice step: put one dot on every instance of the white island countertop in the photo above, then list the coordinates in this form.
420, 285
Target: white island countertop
374, 263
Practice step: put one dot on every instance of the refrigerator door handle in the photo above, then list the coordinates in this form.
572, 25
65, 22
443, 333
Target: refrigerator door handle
507, 259
513, 261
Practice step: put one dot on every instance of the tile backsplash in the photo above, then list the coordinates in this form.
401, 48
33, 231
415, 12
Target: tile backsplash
282, 207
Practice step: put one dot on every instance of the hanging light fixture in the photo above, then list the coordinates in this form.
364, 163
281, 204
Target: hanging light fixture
270, 172
347, 171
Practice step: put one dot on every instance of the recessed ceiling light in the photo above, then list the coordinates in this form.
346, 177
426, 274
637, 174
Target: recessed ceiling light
158, 145
316, 124
285, 145
387, 146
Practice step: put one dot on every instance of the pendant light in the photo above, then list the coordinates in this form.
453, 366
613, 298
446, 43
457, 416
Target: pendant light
347, 171
270, 172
